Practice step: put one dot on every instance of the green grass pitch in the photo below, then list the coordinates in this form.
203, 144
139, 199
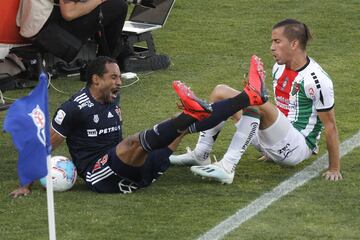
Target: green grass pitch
210, 42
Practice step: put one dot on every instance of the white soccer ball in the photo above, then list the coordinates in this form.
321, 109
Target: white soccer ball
63, 173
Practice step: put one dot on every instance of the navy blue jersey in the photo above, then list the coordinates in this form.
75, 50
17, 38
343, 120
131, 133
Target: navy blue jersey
90, 128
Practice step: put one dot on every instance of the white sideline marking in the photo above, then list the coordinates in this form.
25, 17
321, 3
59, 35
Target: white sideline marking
300, 178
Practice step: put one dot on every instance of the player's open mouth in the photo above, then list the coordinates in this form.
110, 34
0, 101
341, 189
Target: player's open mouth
114, 93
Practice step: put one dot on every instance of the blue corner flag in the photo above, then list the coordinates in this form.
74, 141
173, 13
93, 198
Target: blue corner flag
27, 120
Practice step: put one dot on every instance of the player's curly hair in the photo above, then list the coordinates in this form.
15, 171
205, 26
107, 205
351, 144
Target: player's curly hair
295, 30
97, 66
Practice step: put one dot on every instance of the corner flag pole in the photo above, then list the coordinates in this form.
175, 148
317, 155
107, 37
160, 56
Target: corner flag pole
50, 200
49, 182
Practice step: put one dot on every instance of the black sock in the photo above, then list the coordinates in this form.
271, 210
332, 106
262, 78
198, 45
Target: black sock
222, 110
162, 134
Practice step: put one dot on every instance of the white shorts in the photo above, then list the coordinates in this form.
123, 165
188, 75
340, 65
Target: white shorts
282, 143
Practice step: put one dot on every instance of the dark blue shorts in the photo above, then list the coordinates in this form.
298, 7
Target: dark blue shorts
111, 175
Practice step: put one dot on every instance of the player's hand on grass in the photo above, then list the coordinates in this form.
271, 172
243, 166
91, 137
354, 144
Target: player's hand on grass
332, 175
21, 191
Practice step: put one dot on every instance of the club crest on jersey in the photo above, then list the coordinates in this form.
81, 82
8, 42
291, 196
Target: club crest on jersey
96, 118
39, 120
284, 83
295, 89
101, 162
118, 112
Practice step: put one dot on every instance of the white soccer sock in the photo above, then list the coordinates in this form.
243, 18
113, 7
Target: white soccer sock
246, 128
206, 141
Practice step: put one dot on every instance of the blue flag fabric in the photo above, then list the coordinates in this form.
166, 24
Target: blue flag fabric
27, 120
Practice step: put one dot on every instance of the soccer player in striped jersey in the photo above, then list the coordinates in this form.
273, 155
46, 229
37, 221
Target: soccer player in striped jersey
287, 132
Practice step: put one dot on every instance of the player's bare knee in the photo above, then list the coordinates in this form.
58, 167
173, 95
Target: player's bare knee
133, 140
128, 144
219, 93
266, 108
130, 151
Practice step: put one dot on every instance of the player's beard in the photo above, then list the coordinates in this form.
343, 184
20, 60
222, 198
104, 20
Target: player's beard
108, 97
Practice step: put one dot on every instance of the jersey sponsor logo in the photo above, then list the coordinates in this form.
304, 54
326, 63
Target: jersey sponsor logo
91, 132
109, 130
39, 120
60, 115
285, 104
96, 118
95, 132
282, 102
110, 115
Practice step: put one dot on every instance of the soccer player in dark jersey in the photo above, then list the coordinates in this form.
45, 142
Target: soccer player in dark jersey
90, 122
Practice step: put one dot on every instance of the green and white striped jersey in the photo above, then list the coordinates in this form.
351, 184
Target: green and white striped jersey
301, 94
